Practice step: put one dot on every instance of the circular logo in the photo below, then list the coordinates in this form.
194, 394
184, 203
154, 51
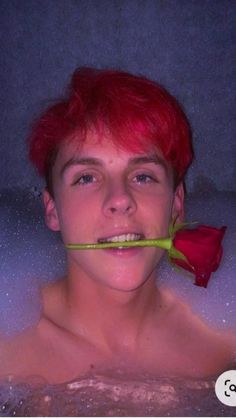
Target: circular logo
225, 388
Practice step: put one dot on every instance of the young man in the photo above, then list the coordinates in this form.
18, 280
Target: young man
114, 154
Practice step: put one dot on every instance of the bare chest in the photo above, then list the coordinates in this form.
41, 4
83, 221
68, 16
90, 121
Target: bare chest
175, 349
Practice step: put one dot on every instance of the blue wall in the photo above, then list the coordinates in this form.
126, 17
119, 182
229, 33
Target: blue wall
188, 45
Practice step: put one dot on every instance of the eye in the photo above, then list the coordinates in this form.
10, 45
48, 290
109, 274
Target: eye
144, 178
85, 179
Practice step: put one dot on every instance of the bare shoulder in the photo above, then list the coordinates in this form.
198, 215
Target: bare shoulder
3, 351
19, 354
208, 348
6, 356
186, 321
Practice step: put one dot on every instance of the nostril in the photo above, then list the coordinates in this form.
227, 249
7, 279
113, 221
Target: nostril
118, 201
121, 210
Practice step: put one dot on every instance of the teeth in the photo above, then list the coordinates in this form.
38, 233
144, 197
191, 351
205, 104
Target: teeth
122, 238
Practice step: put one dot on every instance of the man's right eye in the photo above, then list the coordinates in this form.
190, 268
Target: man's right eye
84, 180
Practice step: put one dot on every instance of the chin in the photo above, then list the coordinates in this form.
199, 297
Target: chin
126, 281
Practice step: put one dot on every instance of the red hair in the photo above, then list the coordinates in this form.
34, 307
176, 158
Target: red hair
137, 112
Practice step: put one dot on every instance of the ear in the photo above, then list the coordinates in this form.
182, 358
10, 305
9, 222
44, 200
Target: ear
178, 204
51, 216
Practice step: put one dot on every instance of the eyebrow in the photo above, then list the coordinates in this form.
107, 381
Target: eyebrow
75, 161
153, 158
93, 161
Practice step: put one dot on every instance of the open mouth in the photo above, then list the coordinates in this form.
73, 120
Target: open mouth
122, 238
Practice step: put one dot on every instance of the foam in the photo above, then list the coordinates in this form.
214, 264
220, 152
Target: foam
31, 255
120, 396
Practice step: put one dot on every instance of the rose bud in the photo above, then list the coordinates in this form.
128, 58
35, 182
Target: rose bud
202, 250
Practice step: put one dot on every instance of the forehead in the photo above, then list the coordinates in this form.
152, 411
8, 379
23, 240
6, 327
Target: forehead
104, 148
103, 152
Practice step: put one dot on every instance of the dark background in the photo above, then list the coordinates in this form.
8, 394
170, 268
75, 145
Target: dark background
187, 45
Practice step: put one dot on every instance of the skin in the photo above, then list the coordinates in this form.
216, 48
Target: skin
107, 310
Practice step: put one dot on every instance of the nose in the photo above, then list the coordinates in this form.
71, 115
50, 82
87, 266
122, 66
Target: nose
119, 200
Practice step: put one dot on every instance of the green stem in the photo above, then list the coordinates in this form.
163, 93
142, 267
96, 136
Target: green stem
165, 243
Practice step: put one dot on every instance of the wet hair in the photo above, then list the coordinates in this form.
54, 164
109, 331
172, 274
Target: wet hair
137, 112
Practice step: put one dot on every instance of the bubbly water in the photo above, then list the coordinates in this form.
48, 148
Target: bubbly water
101, 395
31, 255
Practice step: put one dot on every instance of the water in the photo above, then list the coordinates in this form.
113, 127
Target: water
99, 395
30, 256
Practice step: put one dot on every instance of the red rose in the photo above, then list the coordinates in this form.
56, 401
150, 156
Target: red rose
202, 249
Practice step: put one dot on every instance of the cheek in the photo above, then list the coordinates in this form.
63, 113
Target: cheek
76, 217
158, 213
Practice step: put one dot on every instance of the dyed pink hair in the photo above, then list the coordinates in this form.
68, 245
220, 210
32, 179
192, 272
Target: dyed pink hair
138, 113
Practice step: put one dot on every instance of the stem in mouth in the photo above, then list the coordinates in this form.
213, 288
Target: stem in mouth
164, 243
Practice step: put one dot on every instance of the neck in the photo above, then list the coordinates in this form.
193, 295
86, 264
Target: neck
108, 318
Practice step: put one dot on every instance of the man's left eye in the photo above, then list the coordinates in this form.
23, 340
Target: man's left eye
143, 178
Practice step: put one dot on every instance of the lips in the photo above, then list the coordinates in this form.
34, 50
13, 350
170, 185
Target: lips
122, 237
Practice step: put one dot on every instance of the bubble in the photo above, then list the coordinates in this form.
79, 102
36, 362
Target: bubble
114, 396
30, 256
